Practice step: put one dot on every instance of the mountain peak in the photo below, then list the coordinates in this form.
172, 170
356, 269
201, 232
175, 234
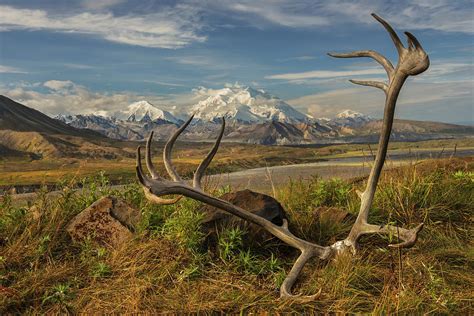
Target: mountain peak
245, 104
351, 114
144, 111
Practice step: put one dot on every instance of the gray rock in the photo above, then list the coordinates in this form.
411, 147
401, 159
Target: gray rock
109, 222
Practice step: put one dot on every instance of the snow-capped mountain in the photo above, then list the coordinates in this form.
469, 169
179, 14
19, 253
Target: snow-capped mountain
350, 118
245, 105
349, 114
256, 116
107, 126
144, 111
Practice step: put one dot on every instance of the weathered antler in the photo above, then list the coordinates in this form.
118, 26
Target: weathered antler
412, 61
158, 187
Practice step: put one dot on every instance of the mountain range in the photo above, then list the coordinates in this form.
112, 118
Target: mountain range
253, 116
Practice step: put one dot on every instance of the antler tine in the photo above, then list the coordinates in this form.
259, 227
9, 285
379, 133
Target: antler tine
396, 40
376, 84
409, 236
169, 147
139, 170
205, 163
146, 183
413, 41
149, 163
387, 65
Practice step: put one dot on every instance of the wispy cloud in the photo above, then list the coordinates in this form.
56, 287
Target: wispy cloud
325, 74
298, 58
100, 4
286, 13
162, 83
78, 66
197, 60
202, 61
441, 15
171, 27
11, 70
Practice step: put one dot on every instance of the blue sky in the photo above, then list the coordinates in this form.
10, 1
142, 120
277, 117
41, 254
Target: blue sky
97, 56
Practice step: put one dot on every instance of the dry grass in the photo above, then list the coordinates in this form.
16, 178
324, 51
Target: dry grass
231, 157
171, 266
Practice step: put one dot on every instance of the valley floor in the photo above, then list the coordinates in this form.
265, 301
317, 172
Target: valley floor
27, 175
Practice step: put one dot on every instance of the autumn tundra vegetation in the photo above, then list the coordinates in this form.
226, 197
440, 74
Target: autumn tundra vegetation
397, 241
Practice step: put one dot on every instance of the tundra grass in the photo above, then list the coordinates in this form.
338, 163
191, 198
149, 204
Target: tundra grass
172, 265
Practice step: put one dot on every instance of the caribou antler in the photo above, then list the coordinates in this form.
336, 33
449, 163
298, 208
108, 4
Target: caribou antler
412, 61
159, 187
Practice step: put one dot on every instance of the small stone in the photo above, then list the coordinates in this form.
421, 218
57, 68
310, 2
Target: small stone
35, 212
109, 222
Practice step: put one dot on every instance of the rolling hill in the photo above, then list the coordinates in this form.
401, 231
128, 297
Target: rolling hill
28, 132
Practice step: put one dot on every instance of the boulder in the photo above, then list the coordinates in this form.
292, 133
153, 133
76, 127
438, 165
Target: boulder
333, 215
257, 203
109, 221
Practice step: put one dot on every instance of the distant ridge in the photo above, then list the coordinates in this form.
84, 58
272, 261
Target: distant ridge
29, 133
18, 117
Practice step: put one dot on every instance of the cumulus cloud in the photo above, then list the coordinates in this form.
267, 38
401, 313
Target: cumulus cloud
67, 97
171, 27
58, 85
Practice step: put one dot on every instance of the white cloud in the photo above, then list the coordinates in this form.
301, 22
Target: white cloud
100, 4
11, 70
441, 15
66, 97
59, 85
201, 61
448, 101
444, 68
172, 27
208, 62
326, 74
286, 14
418, 100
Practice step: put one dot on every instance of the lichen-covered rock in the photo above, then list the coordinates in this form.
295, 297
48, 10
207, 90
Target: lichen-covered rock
109, 222
257, 203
